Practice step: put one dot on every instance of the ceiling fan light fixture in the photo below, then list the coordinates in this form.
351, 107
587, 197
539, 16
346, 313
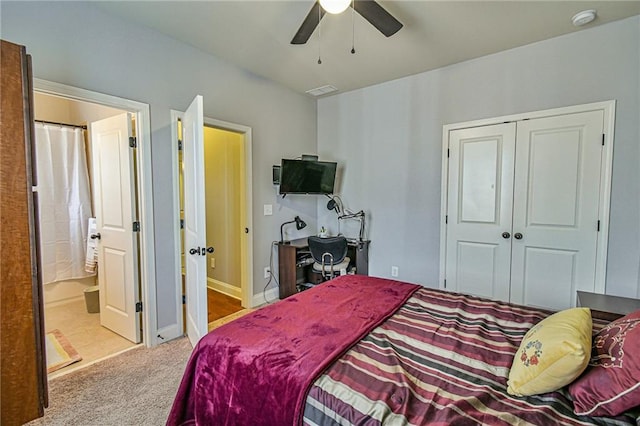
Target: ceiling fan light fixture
584, 17
335, 6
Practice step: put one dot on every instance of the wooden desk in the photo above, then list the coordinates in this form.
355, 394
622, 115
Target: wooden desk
292, 271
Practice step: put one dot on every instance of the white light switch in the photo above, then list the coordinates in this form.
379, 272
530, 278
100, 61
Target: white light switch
268, 209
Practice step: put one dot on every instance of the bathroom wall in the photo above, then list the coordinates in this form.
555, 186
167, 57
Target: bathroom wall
55, 108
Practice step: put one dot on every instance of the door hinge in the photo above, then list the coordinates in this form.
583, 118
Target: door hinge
184, 299
446, 219
447, 152
603, 139
132, 142
136, 226
598, 226
181, 223
138, 306
179, 145
445, 283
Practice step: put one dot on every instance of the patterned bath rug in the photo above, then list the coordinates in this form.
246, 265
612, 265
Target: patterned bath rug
60, 353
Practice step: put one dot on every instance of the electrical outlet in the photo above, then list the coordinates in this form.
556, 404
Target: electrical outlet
268, 209
394, 271
213, 262
267, 272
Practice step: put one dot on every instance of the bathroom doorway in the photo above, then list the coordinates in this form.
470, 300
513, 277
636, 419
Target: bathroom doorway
74, 334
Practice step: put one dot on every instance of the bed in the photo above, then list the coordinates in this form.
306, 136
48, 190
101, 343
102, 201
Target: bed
367, 351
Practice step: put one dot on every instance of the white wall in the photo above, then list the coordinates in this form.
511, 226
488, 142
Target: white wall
388, 140
78, 44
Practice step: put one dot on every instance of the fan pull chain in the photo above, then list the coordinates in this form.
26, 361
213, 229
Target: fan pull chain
353, 27
319, 33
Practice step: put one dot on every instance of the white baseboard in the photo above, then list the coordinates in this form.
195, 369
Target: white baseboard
272, 295
224, 288
64, 301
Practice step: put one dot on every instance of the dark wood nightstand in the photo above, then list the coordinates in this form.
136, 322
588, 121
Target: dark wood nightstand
606, 306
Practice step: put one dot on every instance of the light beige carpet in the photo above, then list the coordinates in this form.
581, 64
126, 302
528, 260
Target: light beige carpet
59, 351
133, 388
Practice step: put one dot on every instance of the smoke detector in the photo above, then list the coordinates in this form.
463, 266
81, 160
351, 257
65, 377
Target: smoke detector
584, 17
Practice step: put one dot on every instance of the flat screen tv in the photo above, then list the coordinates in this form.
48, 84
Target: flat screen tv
307, 177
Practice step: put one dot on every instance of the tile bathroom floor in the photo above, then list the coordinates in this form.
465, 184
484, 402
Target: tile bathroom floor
84, 332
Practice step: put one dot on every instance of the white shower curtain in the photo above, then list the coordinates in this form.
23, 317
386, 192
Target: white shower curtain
64, 201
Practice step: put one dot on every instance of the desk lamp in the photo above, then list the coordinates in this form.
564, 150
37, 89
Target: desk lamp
299, 225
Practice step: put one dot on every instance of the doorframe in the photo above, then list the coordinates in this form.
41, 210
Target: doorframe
247, 299
606, 167
143, 178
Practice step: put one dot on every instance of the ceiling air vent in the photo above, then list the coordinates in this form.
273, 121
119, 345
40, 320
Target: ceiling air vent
319, 91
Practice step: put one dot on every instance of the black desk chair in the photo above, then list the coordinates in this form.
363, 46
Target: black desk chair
329, 255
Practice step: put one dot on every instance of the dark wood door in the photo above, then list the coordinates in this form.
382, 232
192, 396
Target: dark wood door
22, 363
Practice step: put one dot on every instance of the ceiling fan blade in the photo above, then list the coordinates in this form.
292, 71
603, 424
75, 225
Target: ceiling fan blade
309, 24
377, 16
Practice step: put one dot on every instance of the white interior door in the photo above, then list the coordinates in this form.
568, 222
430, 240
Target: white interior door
479, 210
195, 232
555, 213
114, 197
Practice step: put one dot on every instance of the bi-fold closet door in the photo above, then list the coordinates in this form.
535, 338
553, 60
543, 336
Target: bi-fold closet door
522, 215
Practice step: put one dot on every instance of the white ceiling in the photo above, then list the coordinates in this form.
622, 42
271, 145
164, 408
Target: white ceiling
256, 35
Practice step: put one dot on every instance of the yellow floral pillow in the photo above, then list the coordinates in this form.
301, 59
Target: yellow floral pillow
552, 354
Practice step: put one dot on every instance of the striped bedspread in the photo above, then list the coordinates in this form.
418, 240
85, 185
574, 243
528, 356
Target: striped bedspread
442, 359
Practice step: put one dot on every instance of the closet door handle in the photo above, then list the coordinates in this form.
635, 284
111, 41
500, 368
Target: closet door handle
194, 251
506, 235
95, 236
210, 249
517, 236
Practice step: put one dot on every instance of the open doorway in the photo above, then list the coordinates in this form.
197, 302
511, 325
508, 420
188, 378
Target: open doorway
67, 204
66, 105
224, 171
226, 208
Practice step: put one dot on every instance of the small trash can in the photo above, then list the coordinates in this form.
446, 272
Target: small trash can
92, 299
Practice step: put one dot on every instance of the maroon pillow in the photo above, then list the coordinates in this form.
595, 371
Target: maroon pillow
611, 384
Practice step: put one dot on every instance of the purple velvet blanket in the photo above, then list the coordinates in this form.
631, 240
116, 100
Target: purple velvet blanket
257, 369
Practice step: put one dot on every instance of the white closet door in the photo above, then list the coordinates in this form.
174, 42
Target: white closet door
480, 209
556, 198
